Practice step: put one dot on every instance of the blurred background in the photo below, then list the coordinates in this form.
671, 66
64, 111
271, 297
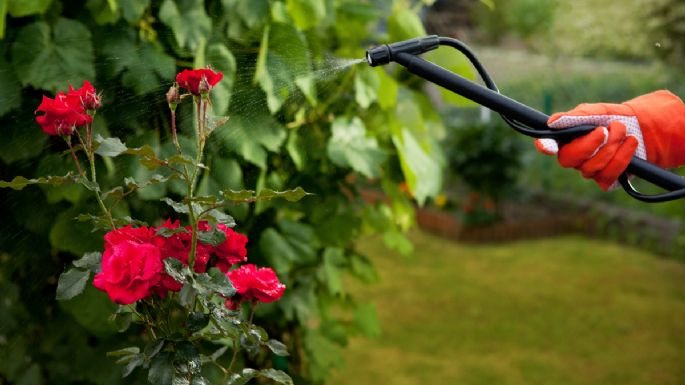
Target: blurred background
439, 248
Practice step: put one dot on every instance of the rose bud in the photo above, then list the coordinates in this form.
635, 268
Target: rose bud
173, 97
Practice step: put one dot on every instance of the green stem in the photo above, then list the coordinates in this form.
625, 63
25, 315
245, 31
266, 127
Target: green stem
93, 175
236, 349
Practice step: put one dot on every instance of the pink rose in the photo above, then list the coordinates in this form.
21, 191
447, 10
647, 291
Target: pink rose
254, 283
131, 265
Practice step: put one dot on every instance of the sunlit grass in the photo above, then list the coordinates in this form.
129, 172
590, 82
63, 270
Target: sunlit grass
557, 311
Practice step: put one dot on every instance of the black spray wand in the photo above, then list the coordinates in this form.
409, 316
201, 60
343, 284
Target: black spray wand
522, 118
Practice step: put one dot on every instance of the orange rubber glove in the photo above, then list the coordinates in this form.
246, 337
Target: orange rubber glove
651, 127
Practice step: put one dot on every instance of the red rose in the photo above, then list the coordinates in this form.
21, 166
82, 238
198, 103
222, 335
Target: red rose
131, 265
232, 250
86, 97
252, 283
61, 117
198, 81
178, 246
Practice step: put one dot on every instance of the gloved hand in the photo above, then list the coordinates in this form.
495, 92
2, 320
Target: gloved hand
651, 127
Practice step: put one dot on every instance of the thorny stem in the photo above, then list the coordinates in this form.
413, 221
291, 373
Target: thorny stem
173, 131
73, 154
200, 130
93, 175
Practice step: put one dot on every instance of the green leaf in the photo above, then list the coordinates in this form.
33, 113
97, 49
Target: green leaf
51, 58
404, 24
21, 8
72, 236
71, 283
421, 171
144, 71
239, 196
131, 350
167, 232
394, 239
19, 182
213, 237
133, 10
279, 253
92, 310
350, 146
152, 348
295, 244
220, 283
10, 97
109, 147
133, 185
175, 269
188, 355
89, 261
283, 57
243, 377
102, 11
366, 319
278, 348
277, 375
333, 258
123, 321
363, 269
252, 136
180, 207
161, 369
387, 90
197, 321
216, 216
293, 195
187, 295
366, 85
188, 20
136, 361
254, 13
306, 13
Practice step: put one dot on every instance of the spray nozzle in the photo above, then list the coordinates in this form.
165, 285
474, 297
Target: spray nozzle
386, 53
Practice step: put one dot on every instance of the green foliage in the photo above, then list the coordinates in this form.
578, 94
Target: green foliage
487, 157
668, 23
297, 118
349, 146
47, 57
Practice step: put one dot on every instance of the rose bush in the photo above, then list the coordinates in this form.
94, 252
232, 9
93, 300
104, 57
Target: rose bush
299, 117
180, 282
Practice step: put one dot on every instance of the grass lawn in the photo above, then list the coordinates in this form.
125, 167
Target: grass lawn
565, 310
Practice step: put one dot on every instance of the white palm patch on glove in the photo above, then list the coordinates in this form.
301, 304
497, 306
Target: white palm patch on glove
550, 146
